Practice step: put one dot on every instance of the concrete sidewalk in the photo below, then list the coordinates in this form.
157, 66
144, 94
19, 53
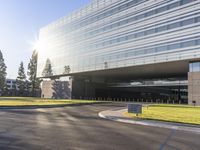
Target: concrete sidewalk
118, 115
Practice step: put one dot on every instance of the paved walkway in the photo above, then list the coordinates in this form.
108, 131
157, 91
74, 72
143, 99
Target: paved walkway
118, 115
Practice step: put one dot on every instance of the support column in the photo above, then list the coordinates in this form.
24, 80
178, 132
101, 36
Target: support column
194, 88
47, 91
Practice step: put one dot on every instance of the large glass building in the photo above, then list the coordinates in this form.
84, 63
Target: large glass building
128, 46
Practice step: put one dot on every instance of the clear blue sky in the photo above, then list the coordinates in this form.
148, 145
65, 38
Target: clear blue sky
20, 21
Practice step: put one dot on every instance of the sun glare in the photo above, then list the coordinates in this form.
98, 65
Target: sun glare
37, 45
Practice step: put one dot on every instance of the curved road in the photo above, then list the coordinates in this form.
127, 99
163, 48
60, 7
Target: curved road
80, 128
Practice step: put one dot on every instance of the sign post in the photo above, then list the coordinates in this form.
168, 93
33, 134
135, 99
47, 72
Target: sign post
135, 108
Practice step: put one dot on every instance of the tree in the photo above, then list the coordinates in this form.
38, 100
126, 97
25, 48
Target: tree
32, 73
67, 69
21, 82
47, 69
2, 74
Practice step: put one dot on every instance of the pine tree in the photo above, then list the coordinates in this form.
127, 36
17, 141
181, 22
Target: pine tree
2, 74
47, 69
21, 82
32, 70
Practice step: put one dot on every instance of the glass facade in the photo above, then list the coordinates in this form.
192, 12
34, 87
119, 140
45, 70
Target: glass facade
108, 34
195, 67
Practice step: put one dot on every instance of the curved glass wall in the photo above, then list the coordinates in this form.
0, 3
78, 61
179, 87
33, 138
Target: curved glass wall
120, 33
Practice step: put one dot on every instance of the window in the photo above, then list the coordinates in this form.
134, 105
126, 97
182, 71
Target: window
123, 22
162, 9
151, 31
123, 38
174, 46
8, 81
198, 42
114, 25
197, 19
150, 50
174, 25
186, 1
187, 22
130, 53
188, 43
190, 67
114, 41
161, 48
132, 19
131, 36
140, 34
174, 5
114, 56
140, 16
151, 13
196, 67
141, 52
163, 28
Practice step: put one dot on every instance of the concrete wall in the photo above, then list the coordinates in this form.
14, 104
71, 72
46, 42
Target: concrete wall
56, 89
47, 91
76, 88
194, 87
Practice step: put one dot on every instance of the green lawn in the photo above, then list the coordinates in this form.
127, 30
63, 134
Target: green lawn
172, 113
29, 101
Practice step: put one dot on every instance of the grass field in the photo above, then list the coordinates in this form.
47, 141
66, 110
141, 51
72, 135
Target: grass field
172, 113
29, 101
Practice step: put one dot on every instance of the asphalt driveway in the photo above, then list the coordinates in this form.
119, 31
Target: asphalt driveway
80, 128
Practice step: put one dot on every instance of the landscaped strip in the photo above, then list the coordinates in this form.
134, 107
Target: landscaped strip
171, 113
29, 101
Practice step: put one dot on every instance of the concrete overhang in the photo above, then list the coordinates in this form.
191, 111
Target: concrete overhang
148, 71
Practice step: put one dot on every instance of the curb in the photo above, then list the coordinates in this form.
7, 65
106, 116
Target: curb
45, 106
159, 124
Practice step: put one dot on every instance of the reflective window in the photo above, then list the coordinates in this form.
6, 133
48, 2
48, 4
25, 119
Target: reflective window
188, 43
150, 50
186, 1
198, 42
195, 67
162, 9
197, 19
174, 25
151, 31
161, 48
174, 46
162, 28
188, 21
140, 34
174, 5
190, 67
150, 13
140, 16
